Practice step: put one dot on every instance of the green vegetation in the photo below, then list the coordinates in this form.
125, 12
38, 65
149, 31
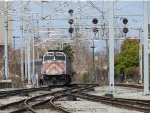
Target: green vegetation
127, 62
68, 50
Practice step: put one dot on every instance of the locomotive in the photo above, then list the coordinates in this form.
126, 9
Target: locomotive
56, 68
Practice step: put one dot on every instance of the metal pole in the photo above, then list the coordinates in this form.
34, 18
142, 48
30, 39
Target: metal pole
146, 59
29, 64
93, 54
140, 56
14, 41
6, 42
33, 61
26, 66
93, 47
111, 47
22, 70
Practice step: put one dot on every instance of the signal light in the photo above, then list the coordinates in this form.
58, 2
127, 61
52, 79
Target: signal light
95, 21
125, 30
125, 21
95, 30
70, 21
70, 11
70, 30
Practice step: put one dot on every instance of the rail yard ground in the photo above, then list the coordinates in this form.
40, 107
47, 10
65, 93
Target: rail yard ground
122, 92
86, 106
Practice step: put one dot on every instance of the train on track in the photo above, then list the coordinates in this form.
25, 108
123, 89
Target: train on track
56, 68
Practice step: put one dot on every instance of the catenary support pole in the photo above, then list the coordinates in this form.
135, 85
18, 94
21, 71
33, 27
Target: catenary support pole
22, 57
29, 59
146, 59
33, 61
6, 41
111, 47
26, 65
140, 56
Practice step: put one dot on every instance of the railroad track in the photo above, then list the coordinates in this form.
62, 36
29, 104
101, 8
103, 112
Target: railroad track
132, 104
4, 94
55, 98
130, 85
32, 103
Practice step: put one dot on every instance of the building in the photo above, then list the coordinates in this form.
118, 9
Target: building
2, 26
2, 23
2, 30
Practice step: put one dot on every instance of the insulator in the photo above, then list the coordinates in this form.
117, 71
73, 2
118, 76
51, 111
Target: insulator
125, 21
95, 21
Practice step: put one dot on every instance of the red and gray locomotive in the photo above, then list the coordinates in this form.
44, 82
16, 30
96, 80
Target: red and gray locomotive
56, 68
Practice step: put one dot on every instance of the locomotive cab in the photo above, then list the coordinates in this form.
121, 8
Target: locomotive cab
55, 68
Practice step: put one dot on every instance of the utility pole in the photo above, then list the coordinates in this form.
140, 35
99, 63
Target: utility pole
6, 42
26, 66
111, 47
28, 57
146, 55
140, 56
95, 30
22, 57
33, 60
25, 43
93, 47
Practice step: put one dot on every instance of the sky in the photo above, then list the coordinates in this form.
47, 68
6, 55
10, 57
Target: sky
56, 18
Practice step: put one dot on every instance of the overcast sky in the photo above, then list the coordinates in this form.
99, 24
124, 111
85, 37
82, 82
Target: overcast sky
56, 16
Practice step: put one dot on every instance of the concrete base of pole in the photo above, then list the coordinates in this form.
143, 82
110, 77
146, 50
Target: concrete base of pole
29, 86
140, 81
109, 95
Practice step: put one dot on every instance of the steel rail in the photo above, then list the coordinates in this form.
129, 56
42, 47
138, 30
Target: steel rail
55, 98
140, 105
25, 103
29, 107
4, 94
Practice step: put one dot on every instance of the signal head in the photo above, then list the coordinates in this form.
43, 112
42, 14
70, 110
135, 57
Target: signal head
125, 21
95, 30
70, 30
125, 30
94, 21
70, 21
70, 11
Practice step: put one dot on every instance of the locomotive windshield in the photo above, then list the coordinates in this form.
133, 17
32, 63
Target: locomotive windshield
54, 57
48, 58
59, 57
